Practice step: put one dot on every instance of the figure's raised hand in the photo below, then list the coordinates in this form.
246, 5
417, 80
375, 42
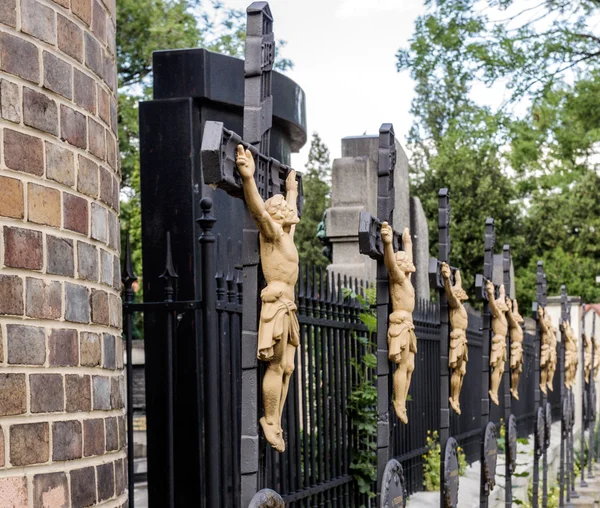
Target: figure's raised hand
406, 239
291, 184
489, 287
245, 162
541, 312
446, 271
509, 303
387, 234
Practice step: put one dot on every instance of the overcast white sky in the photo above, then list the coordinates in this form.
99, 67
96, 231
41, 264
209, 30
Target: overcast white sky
343, 53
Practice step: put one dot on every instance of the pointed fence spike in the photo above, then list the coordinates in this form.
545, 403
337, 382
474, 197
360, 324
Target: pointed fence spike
169, 272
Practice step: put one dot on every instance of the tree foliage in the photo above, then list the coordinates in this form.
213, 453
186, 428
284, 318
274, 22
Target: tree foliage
316, 185
529, 161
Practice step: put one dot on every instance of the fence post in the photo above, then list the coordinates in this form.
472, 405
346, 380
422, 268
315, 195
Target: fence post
509, 424
584, 394
538, 429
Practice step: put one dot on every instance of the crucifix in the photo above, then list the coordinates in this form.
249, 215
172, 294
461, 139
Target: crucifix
379, 241
243, 168
486, 291
454, 321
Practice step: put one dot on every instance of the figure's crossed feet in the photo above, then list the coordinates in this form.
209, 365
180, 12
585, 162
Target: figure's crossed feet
494, 398
550, 387
401, 412
455, 405
515, 394
274, 435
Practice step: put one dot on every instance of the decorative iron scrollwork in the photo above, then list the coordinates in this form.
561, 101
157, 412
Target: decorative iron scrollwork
393, 487
490, 454
451, 473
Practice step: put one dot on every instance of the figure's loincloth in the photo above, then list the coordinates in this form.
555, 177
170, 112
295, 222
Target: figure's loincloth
545, 355
459, 350
498, 353
276, 312
516, 355
401, 335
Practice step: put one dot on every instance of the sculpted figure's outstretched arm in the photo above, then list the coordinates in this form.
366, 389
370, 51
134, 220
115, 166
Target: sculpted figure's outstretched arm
509, 313
452, 300
489, 287
246, 167
389, 258
291, 187
542, 320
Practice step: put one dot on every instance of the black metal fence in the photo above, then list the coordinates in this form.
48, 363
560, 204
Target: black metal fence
320, 435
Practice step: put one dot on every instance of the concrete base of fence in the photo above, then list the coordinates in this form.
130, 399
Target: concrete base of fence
468, 492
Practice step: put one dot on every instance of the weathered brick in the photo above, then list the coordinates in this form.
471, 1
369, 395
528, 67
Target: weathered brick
75, 213
117, 273
57, 75
73, 127
85, 91
103, 105
109, 351
43, 299
23, 248
79, 393
23, 153
10, 101
119, 360
38, 20
60, 164
2, 462
120, 477
77, 303
19, 57
47, 394
106, 481
50, 490
112, 434
114, 232
29, 444
93, 437
111, 42
101, 386
106, 267
13, 394
63, 348
106, 183
99, 303
87, 181
83, 10
67, 440
116, 196
116, 311
63, 3
111, 153
70, 38
96, 142
99, 20
11, 198
113, 116
11, 295
91, 354
13, 492
43, 205
83, 484
60, 259
87, 261
122, 432
8, 13
110, 72
93, 55
99, 223
26, 345
39, 111
117, 395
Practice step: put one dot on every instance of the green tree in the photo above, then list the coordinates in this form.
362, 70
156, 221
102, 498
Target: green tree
543, 136
316, 185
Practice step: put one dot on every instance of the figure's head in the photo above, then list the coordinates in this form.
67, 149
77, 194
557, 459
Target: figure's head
457, 289
403, 262
280, 211
501, 301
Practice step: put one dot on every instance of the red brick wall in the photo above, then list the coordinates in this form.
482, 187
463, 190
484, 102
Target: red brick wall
62, 420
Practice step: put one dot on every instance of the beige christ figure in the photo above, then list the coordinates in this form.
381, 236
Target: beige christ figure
498, 309
402, 341
596, 358
552, 354
545, 329
459, 321
516, 345
571, 359
587, 347
278, 331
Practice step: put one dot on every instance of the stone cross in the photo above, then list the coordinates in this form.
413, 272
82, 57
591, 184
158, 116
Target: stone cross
219, 170
488, 429
371, 244
449, 464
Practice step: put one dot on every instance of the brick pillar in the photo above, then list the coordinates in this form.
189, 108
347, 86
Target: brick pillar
62, 417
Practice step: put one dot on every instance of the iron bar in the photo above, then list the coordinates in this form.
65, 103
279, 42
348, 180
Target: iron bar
508, 467
584, 393
538, 304
591, 416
